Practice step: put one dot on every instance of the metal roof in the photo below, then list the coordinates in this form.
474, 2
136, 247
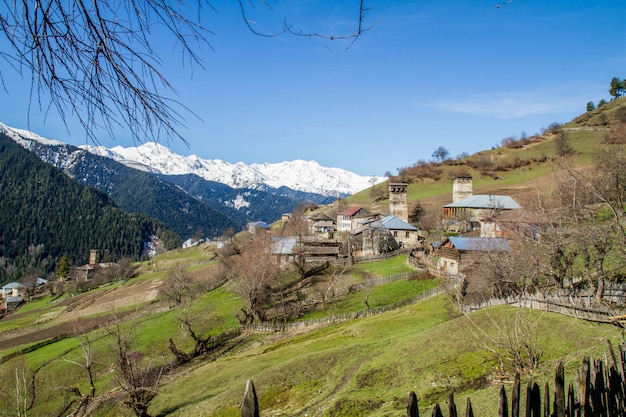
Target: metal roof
12, 285
393, 223
283, 245
486, 202
480, 243
351, 211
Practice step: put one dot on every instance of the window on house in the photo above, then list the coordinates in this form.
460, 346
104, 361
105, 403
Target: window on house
395, 233
407, 235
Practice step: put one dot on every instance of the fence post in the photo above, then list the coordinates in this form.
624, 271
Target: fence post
533, 400
411, 409
570, 411
559, 391
250, 405
515, 396
585, 394
546, 400
451, 406
598, 399
503, 404
469, 412
437, 411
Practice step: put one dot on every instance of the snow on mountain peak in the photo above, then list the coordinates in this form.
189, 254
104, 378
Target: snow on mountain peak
300, 175
21, 135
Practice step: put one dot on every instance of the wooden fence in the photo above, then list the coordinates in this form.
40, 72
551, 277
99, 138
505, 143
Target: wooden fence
578, 307
271, 327
600, 392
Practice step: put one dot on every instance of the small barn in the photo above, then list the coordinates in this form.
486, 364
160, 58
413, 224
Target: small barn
288, 249
457, 253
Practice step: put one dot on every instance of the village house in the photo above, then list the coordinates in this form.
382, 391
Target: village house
455, 254
385, 235
87, 271
351, 217
12, 289
479, 213
254, 227
322, 225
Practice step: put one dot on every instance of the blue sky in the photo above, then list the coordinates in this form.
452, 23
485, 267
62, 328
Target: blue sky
461, 74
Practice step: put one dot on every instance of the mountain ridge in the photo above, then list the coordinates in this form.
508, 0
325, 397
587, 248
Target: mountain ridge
300, 175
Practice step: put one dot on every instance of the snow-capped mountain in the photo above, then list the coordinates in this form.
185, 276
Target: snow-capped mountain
190, 194
307, 176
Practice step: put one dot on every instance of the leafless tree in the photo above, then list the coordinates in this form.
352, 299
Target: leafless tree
331, 276
253, 273
137, 376
86, 362
299, 228
562, 144
17, 395
177, 285
97, 61
512, 338
195, 326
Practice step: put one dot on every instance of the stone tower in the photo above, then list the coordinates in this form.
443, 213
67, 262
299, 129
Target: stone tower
397, 200
94, 257
462, 188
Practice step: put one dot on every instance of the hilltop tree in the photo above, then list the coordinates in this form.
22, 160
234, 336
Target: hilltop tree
441, 154
617, 88
97, 61
591, 106
562, 144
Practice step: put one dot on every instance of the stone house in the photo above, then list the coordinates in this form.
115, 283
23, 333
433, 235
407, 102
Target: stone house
384, 235
477, 212
457, 253
12, 289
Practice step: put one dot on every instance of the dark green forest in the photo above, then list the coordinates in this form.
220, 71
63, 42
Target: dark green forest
45, 215
136, 191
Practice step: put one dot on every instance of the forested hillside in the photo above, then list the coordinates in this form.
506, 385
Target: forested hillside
137, 191
241, 203
45, 215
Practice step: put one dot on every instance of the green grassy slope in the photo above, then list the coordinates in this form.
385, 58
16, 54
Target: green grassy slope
585, 134
367, 367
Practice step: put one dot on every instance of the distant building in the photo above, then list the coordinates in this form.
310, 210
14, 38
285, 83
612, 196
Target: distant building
254, 227
457, 253
476, 211
86, 272
346, 220
12, 289
384, 235
398, 205
323, 225
315, 251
